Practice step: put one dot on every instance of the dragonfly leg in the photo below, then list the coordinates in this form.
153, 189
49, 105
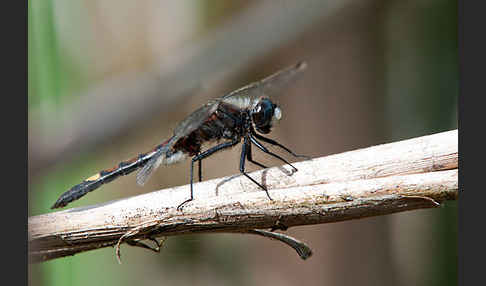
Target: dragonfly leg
264, 149
201, 156
273, 142
250, 157
199, 169
244, 152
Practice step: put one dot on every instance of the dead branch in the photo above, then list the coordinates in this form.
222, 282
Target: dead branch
383, 179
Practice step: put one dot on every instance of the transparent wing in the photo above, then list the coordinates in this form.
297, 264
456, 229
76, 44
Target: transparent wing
195, 120
272, 84
184, 128
148, 169
269, 86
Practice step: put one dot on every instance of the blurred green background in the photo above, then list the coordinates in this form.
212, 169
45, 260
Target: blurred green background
109, 79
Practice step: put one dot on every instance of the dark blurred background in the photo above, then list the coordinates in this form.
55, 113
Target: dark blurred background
111, 79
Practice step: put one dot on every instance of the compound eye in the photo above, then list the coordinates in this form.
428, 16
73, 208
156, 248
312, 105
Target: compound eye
262, 115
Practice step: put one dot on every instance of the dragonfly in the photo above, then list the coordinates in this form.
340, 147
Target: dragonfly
243, 114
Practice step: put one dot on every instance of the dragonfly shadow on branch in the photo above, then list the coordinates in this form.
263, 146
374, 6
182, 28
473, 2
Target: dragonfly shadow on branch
263, 178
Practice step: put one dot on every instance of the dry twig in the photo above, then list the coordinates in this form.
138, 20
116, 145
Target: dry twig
405, 175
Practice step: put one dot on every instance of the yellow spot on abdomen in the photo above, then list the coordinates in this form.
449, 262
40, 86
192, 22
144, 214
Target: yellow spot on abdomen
93, 178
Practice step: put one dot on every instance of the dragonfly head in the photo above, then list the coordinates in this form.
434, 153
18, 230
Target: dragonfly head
265, 114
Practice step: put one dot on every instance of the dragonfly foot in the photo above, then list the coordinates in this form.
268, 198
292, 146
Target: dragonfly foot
179, 208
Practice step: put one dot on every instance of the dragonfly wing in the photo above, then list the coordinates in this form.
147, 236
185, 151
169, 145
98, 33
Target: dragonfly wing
148, 169
185, 127
195, 120
275, 83
271, 85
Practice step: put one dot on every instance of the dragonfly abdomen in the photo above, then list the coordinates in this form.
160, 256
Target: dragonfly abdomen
105, 176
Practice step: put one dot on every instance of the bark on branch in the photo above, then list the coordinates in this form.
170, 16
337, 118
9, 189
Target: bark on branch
405, 175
